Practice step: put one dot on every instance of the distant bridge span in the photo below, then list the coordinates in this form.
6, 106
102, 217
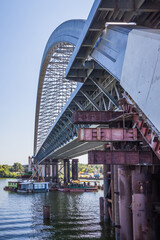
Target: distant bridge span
98, 56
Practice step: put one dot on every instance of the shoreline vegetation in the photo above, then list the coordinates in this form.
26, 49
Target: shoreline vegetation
17, 170
14, 171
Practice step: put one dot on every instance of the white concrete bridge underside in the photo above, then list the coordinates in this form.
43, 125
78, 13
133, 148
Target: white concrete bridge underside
99, 56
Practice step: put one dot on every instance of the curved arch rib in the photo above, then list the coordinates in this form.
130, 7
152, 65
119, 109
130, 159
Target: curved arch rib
56, 56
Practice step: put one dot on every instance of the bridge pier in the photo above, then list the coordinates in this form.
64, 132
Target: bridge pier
133, 212
74, 169
66, 171
125, 202
116, 203
142, 203
55, 171
47, 170
106, 169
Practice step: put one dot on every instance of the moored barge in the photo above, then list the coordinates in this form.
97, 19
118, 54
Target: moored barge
79, 186
27, 187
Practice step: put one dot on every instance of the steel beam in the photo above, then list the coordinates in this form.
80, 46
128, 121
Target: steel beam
122, 157
130, 6
95, 117
108, 5
79, 105
86, 65
78, 73
90, 100
108, 95
107, 134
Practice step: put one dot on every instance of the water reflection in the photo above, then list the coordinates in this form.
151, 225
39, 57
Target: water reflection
73, 216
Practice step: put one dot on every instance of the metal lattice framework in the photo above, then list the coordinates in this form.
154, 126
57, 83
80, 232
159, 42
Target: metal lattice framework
96, 94
56, 89
96, 62
53, 88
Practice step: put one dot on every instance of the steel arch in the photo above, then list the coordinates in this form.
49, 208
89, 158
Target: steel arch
66, 35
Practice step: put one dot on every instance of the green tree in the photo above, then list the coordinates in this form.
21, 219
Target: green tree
18, 167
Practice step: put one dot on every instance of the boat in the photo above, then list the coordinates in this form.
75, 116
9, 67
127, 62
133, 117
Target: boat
27, 187
12, 186
33, 187
79, 186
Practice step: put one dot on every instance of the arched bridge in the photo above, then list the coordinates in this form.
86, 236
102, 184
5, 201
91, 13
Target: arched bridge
96, 66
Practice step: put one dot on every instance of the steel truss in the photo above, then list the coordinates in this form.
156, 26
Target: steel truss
96, 94
56, 89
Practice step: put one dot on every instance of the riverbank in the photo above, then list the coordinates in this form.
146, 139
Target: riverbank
7, 171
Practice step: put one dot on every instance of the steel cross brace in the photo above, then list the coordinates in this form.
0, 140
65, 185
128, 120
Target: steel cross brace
145, 128
87, 96
109, 96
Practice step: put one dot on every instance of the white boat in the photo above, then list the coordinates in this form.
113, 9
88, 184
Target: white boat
31, 187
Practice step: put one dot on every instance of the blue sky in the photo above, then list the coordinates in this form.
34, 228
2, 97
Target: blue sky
25, 27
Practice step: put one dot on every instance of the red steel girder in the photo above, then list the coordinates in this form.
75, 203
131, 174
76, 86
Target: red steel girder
122, 157
148, 134
108, 134
93, 117
146, 129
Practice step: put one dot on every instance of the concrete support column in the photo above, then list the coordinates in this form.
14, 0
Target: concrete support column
47, 170
125, 200
66, 171
55, 171
74, 169
141, 204
106, 169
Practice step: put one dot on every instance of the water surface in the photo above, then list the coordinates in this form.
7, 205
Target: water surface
73, 216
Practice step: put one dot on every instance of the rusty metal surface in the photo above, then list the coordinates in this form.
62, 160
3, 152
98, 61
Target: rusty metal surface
125, 200
141, 181
101, 206
141, 204
106, 181
46, 212
107, 134
121, 157
147, 130
148, 134
90, 117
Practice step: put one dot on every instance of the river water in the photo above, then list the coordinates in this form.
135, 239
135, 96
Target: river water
73, 216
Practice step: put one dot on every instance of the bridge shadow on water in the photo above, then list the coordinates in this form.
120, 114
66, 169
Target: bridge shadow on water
73, 216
